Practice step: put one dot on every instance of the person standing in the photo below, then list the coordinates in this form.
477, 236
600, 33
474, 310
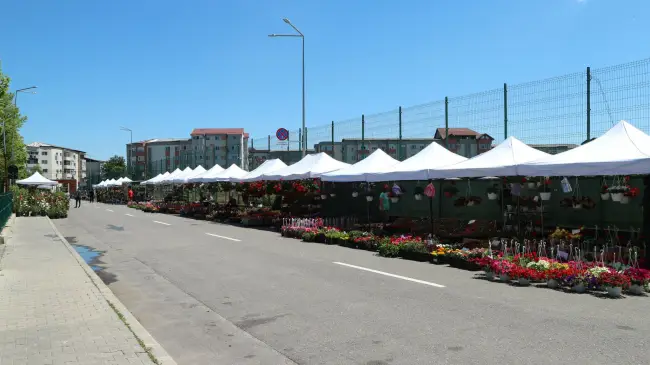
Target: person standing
91, 195
130, 194
77, 198
384, 204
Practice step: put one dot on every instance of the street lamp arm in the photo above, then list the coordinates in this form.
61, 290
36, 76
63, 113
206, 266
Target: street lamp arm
286, 35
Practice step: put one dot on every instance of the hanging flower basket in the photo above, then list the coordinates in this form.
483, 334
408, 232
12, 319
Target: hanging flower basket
616, 197
417, 196
605, 196
369, 198
323, 196
545, 195
531, 185
577, 205
492, 196
394, 199
417, 193
355, 194
332, 195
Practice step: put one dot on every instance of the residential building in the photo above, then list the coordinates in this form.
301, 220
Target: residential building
355, 149
220, 146
553, 149
333, 149
148, 158
257, 157
93, 172
56, 162
464, 141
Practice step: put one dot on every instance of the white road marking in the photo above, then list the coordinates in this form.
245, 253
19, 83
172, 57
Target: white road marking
391, 275
224, 237
108, 210
130, 215
166, 224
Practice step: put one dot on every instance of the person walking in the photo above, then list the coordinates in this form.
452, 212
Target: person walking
130, 194
77, 198
91, 196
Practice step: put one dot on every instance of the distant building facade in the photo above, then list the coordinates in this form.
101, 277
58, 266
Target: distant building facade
56, 162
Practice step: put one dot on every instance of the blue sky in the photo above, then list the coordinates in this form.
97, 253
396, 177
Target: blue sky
165, 67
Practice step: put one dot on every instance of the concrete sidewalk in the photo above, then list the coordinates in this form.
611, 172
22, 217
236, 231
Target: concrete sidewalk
55, 310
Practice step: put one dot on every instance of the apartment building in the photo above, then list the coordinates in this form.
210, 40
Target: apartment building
257, 157
333, 149
220, 146
93, 172
56, 162
553, 149
464, 141
150, 157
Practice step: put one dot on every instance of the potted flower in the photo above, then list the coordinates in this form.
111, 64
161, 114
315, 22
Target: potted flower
502, 268
639, 280
523, 275
629, 194
450, 191
369, 197
530, 184
485, 263
616, 193
576, 279
394, 198
544, 189
604, 192
417, 193
492, 192
355, 193
614, 283
556, 274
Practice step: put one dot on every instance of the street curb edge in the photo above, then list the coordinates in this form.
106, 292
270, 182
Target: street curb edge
156, 349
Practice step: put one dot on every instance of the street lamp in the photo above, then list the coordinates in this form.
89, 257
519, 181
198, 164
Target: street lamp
129, 155
302, 36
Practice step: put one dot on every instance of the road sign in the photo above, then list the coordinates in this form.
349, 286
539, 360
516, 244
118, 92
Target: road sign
282, 134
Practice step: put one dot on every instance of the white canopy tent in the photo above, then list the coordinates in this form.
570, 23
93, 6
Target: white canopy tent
310, 167
184, 177
147, 182
622, 150
168, 178
267, 167
232, 172
37, 180
126, 180
377, 162
503, 160
420, 166
156, 179
211, 172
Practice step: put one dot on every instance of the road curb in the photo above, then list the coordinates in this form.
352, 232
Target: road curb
156, 349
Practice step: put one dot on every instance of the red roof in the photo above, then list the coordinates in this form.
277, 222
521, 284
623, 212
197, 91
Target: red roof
441, 132
202, 131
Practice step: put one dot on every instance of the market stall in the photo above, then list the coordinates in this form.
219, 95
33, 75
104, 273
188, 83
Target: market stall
309, 167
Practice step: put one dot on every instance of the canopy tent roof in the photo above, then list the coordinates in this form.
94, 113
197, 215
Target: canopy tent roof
310, 167
167, 179
126, 179
211, 172
37, 180
149, 181
269, 166
377, 162
184, 176
232, 172
503, 160
419, 166
154, 180
622, 150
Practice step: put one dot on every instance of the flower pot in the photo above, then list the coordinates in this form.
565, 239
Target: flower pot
531, 185
355, 194
616, 197
523, 282
369, 198
470, 203
323, 196
579, 288
332, 195
625, 199
489, 275
604, 196
614, 292
418, 196
545, 195
509, 208
504, 277
394, 199
552, 283
636, 289
492, 196
577, 206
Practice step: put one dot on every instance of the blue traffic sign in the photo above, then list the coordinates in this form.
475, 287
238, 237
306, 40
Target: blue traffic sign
282, 134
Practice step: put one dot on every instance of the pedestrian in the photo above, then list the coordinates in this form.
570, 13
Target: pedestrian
91, 195
77, 198
130, 194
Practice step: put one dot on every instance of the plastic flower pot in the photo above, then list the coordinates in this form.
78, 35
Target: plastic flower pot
614, 292
355, 194
545, 195
332, 195
492, 196
625, 199
470, 203
605, 196
418, 196
369, 198
552, 283
616, 197
636, 289
523, 282
504, 277
577, 206
531, 185
323, 196
394, 199
579, 288
489, 275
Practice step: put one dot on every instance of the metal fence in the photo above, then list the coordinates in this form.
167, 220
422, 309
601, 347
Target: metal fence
566, 109
6, 208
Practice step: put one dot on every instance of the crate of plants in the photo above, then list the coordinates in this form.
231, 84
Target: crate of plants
412, 248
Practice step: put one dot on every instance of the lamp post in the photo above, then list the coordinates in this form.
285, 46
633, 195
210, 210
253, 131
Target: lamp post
130, 154
303, 146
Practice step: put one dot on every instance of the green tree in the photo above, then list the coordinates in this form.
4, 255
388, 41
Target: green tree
114, 168
33, 169
14, 152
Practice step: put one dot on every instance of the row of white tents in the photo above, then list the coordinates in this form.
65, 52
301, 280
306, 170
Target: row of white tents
113, 182
623, 150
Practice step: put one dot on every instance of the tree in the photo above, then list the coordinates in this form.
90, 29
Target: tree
33, 169
12, 120
114, 168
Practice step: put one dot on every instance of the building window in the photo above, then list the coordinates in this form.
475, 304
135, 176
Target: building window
44, 162
44, 170
43, 153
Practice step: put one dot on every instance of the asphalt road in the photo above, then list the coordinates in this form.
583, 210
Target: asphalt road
217, 294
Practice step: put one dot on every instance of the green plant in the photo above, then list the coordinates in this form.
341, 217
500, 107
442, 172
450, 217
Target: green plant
309, 236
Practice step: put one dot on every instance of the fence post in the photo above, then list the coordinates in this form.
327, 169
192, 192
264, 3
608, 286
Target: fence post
505, 110
399, 143
332, 138
446, 122
304, 139
588, 103
269, 143
363, 131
